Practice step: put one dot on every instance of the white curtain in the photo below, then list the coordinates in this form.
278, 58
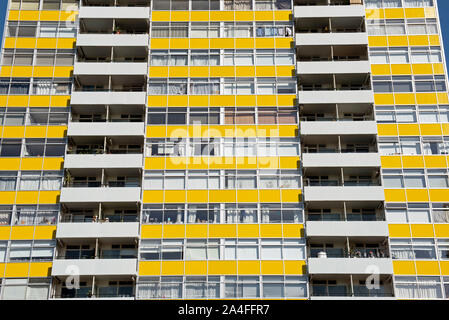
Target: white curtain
171, 290
25, 216
51, 183
148, 291
196, 290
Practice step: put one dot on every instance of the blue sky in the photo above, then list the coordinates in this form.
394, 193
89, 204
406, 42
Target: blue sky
443, 7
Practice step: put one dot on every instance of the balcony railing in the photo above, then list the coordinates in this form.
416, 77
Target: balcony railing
109, 218
101, 292
108, 184
344, 291
353, 253
104, 254
339, 217
338, 183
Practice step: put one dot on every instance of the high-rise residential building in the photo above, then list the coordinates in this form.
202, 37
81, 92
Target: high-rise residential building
222, 149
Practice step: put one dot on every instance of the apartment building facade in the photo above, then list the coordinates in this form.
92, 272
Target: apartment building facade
223, 149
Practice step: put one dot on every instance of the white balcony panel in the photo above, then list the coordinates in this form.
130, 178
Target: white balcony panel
319, 39
88, 129
94, 195
360, 193
350, 266
331, 67
114, 12
106, 161
97, 230
346, 229
329, 11
110, 98
334, 96
91, 267
113, 68
112, 40
340, 160
337, 127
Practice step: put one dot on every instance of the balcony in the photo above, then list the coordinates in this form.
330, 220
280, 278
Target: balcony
97, 194
340, 160
97, 267
338, 128
340, 38
111, 68
97, 230
325, 11
104, 129
319, 96
336, 67
103, 12
125, 97
107, 161
112, 40
342, 266
339, 193
346, 229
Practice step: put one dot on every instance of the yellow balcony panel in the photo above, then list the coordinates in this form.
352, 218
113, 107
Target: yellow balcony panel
45, 232
408, 129
264, 16
56, 131
13, 132
22, 232
282, 15
67, 43
434, 40
157, 72
287, 100
244, 43
375, 13
422, 68
247, 196
222, 16
441, 230
439, 195
17, 270
50, 15
159, 43
156, 131
175, 72
246, 163
293, 230
427, 268
426, 98
444, 267
21, 71
429, 12
27, 197
265, 43
222, 43
225, 196
412, 162
294, 267
10, 43
40, 269
248, 267
29, 15
380, 69
404, 98
2, 268
422, 230
387, 129
49, 197
283, 43
245, 100
5, 71
46, 43
196, 268
35, 132
394, 13
13, 15
418, 40
7, 197
377, 41
31, 163
53, 163
248, 230
152, 231
394, 195
286, 131
384, 98
160, 16
242, 71
399, 230
442, 98
177, 131
245, 131
431, 129
26, 43
155, 163
445, 127
265, 71
222, 71
291, 195
39, 101
68, 15
63, 72
269, 195
414, 13
173, 230
197, 43
199, 15
9, 163
5, 232
179, 163
179, 16
272, 267
273, 162
18, 101
222, 267
404, 267
200, 72
222, 101
271, 230
222, 163
244, 15
172, 268
149, 268
391, 161
401, 69
222, 231
417, 195
60, 101
196, 230
199, 101
175, 196
285, 71
397, 41
435, 162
